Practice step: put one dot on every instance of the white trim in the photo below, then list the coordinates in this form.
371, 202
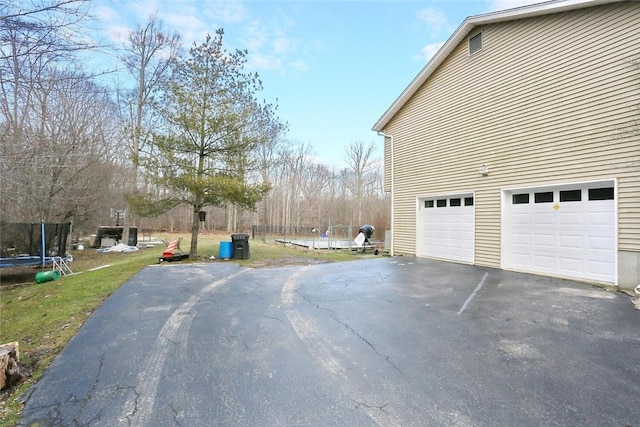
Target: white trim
448, 195
616, 229
385, 135
592, 183
539, 9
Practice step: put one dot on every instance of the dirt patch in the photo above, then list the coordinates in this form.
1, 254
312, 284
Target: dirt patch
13, 276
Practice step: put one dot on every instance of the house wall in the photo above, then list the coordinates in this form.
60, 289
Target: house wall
548, 100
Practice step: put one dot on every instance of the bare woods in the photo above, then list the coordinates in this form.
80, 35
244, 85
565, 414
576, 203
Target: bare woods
89, 128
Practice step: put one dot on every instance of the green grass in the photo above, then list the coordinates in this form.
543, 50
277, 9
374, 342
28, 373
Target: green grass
42, 318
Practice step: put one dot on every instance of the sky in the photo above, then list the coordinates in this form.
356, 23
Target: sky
333, 67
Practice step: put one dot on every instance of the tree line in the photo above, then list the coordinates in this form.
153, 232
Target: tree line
189, 135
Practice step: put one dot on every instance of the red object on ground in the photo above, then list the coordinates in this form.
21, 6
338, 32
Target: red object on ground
171, 247
173, 252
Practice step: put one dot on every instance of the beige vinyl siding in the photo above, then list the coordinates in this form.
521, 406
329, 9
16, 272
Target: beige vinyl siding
629, 211
546, 101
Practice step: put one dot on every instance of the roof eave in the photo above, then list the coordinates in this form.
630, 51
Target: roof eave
539, 9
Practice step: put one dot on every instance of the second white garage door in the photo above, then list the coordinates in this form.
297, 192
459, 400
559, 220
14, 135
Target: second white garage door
566, 231
446, 228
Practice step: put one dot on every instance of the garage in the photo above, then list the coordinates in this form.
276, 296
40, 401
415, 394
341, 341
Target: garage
446, 228
566, 231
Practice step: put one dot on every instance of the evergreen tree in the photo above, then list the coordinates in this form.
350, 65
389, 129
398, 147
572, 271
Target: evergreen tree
213, 124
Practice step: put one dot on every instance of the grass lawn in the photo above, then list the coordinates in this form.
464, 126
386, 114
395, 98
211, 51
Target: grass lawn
42, 318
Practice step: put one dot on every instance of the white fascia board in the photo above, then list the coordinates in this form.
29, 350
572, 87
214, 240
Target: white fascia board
538, 9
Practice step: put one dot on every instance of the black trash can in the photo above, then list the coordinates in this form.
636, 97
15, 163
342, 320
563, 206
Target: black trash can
133, 236
240, 243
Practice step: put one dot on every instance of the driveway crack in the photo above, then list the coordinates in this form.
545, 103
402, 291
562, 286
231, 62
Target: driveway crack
368, 406
334, 316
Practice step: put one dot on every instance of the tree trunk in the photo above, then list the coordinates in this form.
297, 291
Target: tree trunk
195, 228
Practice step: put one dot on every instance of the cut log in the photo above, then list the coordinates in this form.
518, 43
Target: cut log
9, 367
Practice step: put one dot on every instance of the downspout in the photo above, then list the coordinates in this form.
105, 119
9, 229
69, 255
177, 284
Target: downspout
384, 135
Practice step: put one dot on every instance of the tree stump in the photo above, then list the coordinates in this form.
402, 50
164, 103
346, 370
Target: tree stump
9, 367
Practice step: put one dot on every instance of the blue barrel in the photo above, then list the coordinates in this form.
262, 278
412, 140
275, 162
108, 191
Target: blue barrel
226, 250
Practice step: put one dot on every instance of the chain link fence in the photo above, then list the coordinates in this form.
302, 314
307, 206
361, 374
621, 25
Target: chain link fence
328, 237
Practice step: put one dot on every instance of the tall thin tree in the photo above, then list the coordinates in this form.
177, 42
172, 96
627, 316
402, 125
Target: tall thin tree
360, 160
150, 52
212, 123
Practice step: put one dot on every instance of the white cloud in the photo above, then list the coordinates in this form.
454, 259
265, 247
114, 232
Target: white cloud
229, 11
119, 33
270, 45
106, 14
268, 39
509, 4
254, 37
265, 62
427, 52
435, 19
143, 9
282, 45
189, 26
300, 66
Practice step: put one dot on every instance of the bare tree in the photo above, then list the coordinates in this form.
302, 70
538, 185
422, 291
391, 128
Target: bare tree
315, 179
45, 28
59, 168
360, 160
56, 138
150, 52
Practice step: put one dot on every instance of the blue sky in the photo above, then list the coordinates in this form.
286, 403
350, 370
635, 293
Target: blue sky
334, 66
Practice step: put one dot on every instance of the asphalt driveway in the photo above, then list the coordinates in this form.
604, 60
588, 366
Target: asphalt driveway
387, 341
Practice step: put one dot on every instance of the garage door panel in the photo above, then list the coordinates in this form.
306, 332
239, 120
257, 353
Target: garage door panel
521, 239
441, 249
454, 220
544, 262
544, 219
599, 255
570, 218
599, 267
446, 232
601, 243
441, 221
521, 259
543, 240
569, 265
522, 218
573, 242
572, 238
599, 231
570, 262
599, 219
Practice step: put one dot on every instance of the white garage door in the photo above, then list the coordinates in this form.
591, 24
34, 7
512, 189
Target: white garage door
445, 228
565, 231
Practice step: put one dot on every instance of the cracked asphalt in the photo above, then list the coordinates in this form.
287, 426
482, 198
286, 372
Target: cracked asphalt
387, 341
